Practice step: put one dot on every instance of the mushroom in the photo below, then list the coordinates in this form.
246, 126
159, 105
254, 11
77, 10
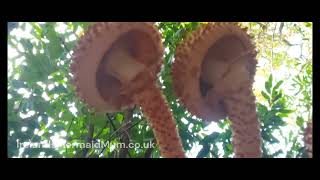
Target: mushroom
213, 73
308, 139
115, 67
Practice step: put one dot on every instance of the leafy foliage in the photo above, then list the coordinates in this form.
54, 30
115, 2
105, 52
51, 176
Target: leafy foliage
43, 107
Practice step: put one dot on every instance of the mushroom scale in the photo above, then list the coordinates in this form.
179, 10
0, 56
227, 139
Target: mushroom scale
213, 73
115, 66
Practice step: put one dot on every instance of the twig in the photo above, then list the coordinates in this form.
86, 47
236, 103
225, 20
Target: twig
280, 29
68, 134
100, 132
89, 138
289, 43
126, 138
114, 133
113, 127
109, 119
65, 46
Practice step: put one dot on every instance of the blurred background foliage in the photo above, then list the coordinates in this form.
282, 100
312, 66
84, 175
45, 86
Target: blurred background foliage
43, 108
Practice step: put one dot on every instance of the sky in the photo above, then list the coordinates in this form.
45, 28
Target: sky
58, 138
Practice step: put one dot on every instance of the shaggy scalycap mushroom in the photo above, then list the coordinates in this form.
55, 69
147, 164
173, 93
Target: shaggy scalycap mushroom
213, 73
115, 66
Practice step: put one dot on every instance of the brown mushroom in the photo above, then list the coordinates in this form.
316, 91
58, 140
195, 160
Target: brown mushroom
308, 139
213, 73
115, 66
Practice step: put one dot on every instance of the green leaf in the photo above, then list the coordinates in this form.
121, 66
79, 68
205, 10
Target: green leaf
58, 126
277, 97
286, 111
58, 90
30, 75
278, 84
262, 108
85, 25
149, 134
119, 117
67, 116
58, 76
308, 24
229, 147
309, 69
38, 30
17, 84
267, 119
27, 45
273, 140
98, 119
278, 105
278, 121
33, 152
37, 69
265, 95
300, 121
196, 128
221, 124
282, 115
268, 84
54, 46
40, 104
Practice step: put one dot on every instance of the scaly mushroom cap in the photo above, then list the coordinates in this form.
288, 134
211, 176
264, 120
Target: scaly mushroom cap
97, 87
219, 43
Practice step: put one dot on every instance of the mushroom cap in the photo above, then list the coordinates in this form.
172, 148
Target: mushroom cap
224, 41
100, 90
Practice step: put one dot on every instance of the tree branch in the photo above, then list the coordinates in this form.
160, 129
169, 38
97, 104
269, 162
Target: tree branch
121, 131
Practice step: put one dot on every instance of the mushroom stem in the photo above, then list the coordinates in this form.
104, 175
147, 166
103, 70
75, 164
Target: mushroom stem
122, 65
241, 109
308, 139
141, 83
157, 111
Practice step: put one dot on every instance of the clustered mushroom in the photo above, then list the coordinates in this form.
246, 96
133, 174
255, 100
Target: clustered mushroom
213, 73
115, 67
